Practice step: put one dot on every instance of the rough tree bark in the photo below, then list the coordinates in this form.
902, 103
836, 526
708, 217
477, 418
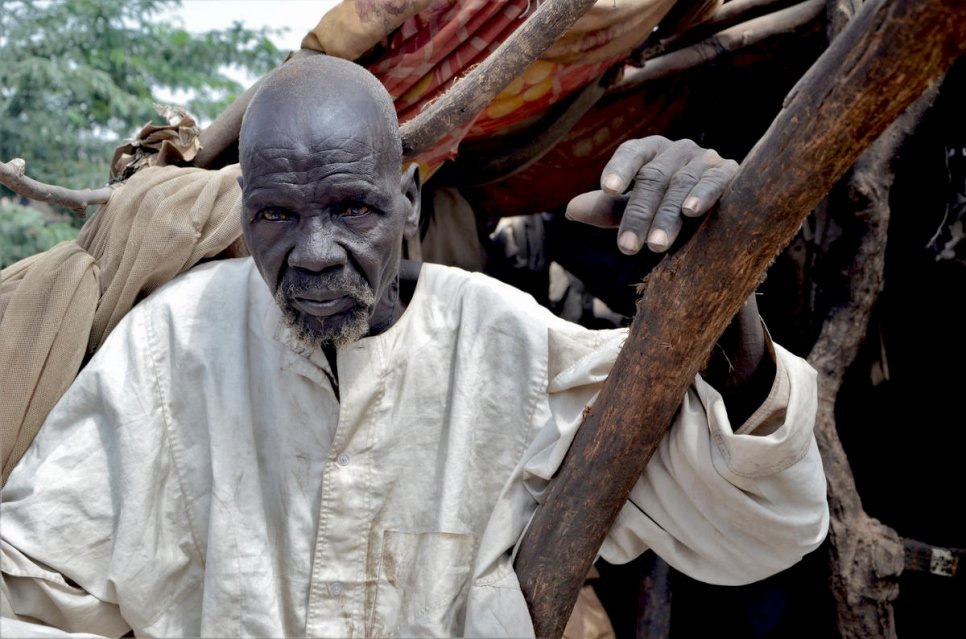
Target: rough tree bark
865, 556
882, 61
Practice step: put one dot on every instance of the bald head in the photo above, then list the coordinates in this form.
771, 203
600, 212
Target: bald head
325, 204
309, 98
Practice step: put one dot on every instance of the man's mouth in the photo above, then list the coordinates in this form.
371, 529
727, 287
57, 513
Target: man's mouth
323, 305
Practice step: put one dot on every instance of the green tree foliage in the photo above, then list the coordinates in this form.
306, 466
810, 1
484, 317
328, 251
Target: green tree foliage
25, 231
79, 76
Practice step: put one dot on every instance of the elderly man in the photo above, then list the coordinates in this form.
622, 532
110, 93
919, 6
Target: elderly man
356, 448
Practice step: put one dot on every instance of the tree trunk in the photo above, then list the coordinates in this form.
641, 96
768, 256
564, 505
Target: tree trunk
865, 556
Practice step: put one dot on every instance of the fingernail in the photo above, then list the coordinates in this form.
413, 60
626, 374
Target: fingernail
628, 242
657, 240
691, 205
613, 182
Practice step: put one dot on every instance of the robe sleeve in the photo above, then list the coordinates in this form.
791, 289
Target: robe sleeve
724, 504
94, 503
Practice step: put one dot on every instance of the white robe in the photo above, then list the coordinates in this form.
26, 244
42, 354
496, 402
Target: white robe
200, 477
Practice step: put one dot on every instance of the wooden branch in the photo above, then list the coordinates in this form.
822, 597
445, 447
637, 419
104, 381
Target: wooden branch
736, 11
222, 134
839, 13
866, 556
736, 37
884, 59
77, 200
727, 15
654, 616
473, 92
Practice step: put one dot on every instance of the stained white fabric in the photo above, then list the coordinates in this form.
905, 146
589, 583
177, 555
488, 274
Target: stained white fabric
201, 477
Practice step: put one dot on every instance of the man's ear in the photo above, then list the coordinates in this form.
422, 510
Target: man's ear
411, 187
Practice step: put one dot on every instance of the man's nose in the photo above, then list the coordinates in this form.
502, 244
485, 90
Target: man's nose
317, 248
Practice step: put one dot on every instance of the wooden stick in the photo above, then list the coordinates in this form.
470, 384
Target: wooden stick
222, 134
77, 200
865, 556
464, 100
883, 60
727, 15
736, 37
738, 11
838, 13
473, 92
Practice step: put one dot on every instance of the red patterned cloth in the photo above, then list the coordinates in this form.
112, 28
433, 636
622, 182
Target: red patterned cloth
418, 48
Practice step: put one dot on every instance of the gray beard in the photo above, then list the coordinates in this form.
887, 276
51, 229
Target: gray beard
338, 330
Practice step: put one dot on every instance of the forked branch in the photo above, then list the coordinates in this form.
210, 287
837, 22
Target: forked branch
13, 176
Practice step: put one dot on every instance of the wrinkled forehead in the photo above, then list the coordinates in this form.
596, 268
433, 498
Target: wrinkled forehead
288, 144
347, 135
321, 109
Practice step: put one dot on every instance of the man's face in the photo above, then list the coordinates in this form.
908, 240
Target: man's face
324, 217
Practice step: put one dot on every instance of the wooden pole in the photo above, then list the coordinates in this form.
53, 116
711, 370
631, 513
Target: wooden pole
890, 52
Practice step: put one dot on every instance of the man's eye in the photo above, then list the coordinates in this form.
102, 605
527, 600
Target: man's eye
274, 215
356, 210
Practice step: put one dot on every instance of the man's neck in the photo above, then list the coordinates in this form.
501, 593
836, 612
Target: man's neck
408, 277
330, 355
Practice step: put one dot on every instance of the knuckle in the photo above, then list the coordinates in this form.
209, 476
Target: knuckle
669, 214
651, 175
628, 148
684, 178
723, 174
636, 214
685, 144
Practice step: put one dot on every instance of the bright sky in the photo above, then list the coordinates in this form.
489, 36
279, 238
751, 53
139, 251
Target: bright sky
297, 16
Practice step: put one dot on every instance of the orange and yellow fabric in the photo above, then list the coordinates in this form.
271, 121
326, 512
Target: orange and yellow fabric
419, 48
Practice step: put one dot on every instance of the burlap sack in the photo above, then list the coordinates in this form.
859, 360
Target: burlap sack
57, 307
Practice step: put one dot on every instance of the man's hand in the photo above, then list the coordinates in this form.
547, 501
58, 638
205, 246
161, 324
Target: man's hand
668, 181
647, 189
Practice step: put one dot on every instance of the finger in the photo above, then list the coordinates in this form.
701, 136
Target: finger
668, 220
627, 160
650, 188
709, 189
597, 209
